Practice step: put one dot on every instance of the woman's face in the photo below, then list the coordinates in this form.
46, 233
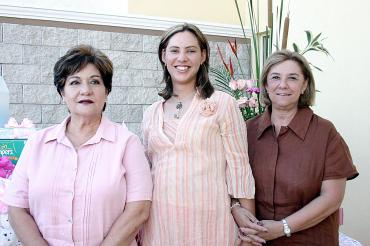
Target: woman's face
285, 83
84, 92
183, 58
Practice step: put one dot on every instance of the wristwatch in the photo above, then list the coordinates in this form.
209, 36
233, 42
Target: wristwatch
286, 228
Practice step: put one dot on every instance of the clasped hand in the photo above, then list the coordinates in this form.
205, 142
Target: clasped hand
249, 227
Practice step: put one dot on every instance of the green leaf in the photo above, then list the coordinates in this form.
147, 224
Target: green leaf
317, 37
267, 45
240, 17
323, 49
223, 88
312, 49
309, 36
316, 43
277, 30
316, 67
256, 47
222, 79
271, 37
281, 15
295, 47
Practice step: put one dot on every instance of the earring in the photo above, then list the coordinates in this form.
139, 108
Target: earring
302, 92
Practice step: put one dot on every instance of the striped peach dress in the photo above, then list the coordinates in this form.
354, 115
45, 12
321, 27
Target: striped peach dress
198, 163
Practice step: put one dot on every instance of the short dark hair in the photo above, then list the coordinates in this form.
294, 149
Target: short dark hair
308, 97
205, 88
76, 59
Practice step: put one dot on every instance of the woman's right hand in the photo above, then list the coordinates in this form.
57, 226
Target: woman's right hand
248, 226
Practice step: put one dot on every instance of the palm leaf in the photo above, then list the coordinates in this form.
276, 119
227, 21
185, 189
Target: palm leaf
295, 47
315, 67
240, 18
317, 37
281, 14
308, 36
255, 38
270, 36
222, 79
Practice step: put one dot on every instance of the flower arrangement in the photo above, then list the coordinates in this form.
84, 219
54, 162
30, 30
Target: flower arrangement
275, 36
245, 91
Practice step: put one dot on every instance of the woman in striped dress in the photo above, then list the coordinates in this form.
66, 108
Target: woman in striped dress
195, 140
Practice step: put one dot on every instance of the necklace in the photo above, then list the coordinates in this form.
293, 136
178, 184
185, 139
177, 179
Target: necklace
179, 105
179, 109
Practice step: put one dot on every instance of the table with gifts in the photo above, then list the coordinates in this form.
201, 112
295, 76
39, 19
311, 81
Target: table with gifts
12, 140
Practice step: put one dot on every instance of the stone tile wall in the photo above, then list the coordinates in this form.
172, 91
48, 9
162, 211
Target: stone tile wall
28, 54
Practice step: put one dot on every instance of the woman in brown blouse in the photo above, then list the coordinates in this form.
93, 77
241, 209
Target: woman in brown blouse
300, 162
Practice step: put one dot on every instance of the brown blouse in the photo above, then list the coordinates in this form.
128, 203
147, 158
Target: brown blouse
289, 170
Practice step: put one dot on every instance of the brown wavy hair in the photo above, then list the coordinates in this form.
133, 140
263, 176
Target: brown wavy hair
76, 59
203, 84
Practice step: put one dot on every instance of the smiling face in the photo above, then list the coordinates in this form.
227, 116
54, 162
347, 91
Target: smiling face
183, 57
285, 84
84, 92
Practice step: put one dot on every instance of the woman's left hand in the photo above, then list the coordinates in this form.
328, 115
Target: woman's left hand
248, 226
274, 229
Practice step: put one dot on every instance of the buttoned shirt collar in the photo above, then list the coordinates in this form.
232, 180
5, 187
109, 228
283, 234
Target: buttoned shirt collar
299, 124
106, 131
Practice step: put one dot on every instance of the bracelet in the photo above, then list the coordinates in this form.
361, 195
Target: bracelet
286, 229
236, 204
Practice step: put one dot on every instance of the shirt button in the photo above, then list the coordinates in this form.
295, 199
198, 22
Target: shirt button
70, 220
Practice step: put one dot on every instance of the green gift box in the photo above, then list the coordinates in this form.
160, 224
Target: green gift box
12, 148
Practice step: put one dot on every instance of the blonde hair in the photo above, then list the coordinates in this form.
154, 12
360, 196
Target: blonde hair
308, 97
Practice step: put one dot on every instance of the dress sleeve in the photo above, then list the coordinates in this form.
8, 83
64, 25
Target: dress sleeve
239, 176
138, 178
338, 160
16, 193
145, 133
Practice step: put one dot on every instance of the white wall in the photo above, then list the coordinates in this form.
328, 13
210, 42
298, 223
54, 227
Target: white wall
345, 85
212, 11
113, 7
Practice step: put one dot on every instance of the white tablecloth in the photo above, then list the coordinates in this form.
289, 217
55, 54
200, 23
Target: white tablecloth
7, 236
345, 240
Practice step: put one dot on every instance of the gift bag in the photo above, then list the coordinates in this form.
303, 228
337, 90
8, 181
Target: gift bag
7, 235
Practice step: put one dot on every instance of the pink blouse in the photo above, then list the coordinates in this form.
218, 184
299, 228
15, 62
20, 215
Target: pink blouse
195, 171
76, 196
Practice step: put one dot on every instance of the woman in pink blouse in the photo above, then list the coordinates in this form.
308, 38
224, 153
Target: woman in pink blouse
195, 140
85, 181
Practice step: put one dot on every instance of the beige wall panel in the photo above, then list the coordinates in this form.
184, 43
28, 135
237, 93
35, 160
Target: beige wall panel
344, 90
217, 11
109, 7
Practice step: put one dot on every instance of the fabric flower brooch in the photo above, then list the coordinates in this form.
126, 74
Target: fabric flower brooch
208, 107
